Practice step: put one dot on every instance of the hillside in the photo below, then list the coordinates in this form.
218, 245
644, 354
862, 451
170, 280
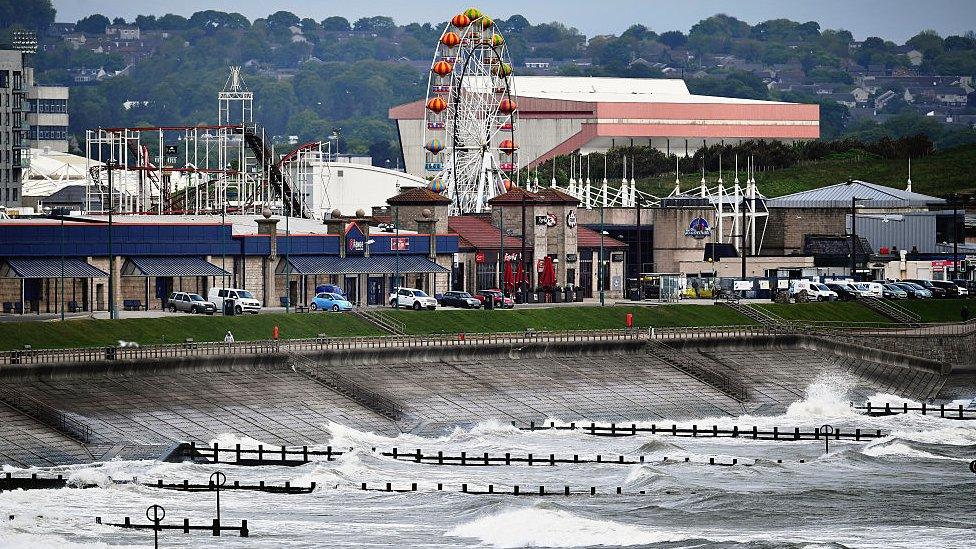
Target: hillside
939, 174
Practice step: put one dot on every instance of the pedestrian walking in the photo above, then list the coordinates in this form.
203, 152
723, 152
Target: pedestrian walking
229, 338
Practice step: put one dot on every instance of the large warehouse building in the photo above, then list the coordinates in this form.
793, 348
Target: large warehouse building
558, 115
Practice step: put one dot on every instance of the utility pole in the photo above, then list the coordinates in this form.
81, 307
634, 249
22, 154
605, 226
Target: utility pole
286, 207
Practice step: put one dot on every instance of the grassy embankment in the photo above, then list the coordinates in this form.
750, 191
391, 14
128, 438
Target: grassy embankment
566, 318
939, 174
176, 328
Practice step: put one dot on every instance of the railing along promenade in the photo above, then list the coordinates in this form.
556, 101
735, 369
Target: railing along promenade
457, 340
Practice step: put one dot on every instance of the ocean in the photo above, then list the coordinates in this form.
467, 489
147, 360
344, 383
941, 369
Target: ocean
910, 489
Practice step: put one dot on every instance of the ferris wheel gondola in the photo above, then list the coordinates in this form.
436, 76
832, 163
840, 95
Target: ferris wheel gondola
470, 150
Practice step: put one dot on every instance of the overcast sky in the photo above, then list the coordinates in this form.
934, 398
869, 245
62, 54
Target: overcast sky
895, 20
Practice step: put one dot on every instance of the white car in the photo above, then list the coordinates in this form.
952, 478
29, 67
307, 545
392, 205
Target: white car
244, 300
412, 298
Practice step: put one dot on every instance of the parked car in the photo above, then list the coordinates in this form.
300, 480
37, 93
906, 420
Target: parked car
968, 285
927, 284
190, 303
244, 300
869, 289
844, 291
413, 298
914, 291
327, 301
463, 300
498, 299
951, 289
891, 291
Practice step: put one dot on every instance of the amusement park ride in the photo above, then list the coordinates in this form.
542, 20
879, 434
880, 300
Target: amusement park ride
225, 168
471, 114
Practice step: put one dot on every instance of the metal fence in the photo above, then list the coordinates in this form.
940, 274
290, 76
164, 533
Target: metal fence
528, 337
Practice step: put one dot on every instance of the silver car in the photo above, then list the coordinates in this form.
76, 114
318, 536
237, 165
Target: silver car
190, 303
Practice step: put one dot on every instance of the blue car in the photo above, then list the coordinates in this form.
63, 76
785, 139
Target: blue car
326, 301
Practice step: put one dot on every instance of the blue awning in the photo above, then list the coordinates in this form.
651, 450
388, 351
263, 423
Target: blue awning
323, 264
170, 266
48, 267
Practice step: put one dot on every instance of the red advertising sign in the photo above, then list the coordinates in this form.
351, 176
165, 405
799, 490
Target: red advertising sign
400, 244
479, 257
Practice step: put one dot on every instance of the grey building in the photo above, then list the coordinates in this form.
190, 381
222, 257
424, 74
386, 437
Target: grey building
14, 148
47, 116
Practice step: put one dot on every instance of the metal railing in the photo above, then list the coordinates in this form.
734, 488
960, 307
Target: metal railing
350, 389
48, 415
528, 337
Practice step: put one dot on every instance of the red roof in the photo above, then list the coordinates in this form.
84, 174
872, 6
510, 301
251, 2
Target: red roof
418, 195
478, 233
514, 196
588, 238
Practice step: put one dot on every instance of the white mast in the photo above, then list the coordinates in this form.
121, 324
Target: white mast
909, 187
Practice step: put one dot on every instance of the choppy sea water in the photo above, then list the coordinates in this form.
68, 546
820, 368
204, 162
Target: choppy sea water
911, 489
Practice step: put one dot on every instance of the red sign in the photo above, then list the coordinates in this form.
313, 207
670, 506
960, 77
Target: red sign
540, 265
479, 257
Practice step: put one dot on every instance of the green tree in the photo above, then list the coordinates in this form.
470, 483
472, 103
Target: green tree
673, 39
336, 23
36, 15
93, 24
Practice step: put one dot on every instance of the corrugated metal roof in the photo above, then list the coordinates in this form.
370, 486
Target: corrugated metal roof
170, 266
324, 264
48, 267
869, 195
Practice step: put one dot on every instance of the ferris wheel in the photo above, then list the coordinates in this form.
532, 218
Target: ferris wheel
470, 116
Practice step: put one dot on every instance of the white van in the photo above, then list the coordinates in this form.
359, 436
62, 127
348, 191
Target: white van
246, 301
869, 289
814, 290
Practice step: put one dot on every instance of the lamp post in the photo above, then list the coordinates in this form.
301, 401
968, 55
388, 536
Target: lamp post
286, 207
742, 237
396, 253
501, 248
112, 311
600, 266
62, 265
525, 268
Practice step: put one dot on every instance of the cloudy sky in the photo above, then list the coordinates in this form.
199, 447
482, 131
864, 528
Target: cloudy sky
892, 19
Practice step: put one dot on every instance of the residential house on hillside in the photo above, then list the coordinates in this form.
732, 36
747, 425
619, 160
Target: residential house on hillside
123, 32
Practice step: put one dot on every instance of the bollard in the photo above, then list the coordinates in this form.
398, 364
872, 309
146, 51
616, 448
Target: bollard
418, 455
530, 459
464, 488
440, 457
630, 320
542, 490
516, 490
491, 488
592, 490
552, 460
566, 490
508, 458
388, 487
305, 454
328, 453
618, 490
237, 453
440, 486
364, 486
486, 458
216, 527
463, 458
826, 430
413, 486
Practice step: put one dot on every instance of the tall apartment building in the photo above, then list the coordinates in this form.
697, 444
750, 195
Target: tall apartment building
47, 115
14, 148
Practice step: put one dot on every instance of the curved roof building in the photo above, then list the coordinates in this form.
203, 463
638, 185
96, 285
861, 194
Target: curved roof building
559, 115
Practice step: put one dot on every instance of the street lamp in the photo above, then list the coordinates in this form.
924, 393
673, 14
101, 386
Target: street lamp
62, 264
600, 267
396, 253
